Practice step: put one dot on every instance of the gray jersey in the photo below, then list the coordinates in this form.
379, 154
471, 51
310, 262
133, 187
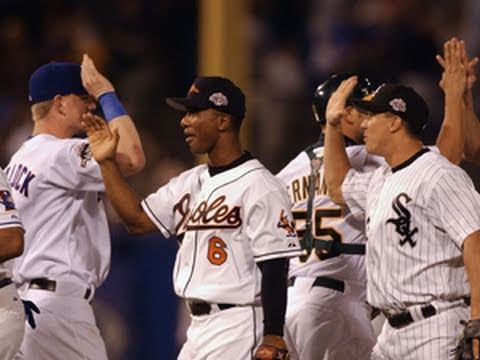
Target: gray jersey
417, 217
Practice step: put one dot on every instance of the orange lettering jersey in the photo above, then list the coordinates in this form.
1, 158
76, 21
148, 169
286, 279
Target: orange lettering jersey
225, 223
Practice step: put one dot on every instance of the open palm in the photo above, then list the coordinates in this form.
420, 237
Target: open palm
103, 142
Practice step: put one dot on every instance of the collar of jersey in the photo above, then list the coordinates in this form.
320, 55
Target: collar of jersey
214, 170
411, 160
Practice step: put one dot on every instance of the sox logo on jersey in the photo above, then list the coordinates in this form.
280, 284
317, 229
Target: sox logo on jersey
402, 223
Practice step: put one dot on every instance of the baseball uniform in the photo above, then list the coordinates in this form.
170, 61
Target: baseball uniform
12, 316
58, 189
417, 216
326, 298
226, 222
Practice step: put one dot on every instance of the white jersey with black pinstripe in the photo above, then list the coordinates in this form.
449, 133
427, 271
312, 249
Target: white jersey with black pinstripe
226, 223
417, 216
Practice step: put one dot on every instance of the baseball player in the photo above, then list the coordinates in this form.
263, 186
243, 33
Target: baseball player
422, 220
326, 294
58, 189
12, 317
233, 220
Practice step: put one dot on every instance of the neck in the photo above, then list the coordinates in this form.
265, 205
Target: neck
46, 126
399, 153
225, 152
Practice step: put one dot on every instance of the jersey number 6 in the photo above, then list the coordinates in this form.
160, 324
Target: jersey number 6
216, 251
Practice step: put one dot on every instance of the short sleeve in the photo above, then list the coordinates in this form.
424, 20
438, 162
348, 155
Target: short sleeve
271, 229
9, 216
456, 205
354, 189
75, 168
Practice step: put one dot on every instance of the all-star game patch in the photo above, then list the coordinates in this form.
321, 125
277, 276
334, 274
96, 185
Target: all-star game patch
6, 200
83, 151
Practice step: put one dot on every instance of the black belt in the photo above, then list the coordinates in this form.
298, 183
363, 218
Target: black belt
203, 308
4, 282
404, 318
330, 248
50, 285
323, 281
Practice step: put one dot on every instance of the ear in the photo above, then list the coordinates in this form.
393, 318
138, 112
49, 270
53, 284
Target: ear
225, 122
348, 119
396, 124
59, 105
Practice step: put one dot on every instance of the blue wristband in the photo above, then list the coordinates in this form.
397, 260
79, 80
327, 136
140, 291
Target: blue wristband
111, 106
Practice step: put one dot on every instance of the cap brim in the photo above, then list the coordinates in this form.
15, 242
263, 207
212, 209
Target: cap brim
182, 104
369, 106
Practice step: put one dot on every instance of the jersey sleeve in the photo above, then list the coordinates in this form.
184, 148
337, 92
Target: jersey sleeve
9, 216
271, 229
159, 208
456, 205
75, 168
354, 190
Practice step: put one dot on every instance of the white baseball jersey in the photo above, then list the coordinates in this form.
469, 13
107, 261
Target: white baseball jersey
329, 220
57, 187
417, 216
226, 223
9, 216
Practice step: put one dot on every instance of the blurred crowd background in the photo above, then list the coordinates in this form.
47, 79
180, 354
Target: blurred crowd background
149, 50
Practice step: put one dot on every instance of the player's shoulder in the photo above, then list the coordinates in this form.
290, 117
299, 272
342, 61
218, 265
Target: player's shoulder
298, 165
259, 175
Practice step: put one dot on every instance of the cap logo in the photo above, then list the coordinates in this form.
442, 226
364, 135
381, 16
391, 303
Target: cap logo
194, 89
398, 105
368, 97
218, 99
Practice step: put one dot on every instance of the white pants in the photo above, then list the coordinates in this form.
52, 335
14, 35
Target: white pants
233, 333
12, 322
66, 329
322, 323
431, 338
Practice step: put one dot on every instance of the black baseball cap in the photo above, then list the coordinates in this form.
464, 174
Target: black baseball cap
212, 92
400, 100
55, 78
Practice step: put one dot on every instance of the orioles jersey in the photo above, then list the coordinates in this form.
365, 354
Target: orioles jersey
417, 216
329, 221
57, 187
9, 216
226, 223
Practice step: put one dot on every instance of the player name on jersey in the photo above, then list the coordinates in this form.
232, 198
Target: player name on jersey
19, 177
299, 188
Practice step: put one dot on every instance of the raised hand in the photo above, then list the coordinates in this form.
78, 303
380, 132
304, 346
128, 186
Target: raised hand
336, 107
454, 77
103, 142
95, 83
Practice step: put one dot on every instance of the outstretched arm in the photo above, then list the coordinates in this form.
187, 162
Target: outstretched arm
103, 144
336, 160
129, 153
451, 139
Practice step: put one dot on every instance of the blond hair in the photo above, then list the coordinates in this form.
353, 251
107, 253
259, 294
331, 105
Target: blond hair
40, 110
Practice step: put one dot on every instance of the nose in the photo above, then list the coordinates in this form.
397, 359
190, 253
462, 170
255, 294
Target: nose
185, 120
91, 105
364, 123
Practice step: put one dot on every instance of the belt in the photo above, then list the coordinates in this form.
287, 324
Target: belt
327, 249
51, 285
323, 281
203, 308
4, 282
405, 318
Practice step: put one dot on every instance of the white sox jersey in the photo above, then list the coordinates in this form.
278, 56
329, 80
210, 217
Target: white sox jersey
226, 223
417, 216
57, 187
329, 221
9, 216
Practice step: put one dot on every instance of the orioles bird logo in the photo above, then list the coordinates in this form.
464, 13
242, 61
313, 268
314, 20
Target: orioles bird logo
284, 223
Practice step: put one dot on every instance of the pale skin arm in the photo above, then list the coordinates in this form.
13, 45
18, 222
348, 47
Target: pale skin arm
336, 162
451, 139
11, 243
129, 154
103, 144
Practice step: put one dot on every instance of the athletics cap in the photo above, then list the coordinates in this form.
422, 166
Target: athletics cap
400, 100
55, 78
212, 92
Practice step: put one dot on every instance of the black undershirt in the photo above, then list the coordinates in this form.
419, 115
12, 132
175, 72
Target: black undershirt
214, 170
410, 160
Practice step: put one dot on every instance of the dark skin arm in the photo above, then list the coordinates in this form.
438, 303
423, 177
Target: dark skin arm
11, 243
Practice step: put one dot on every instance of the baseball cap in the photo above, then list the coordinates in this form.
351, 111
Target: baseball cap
55, 78
212, 92
400, 100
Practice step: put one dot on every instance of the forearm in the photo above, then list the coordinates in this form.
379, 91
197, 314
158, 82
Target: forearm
472, 131
274, 295
471, 254
336, 164
451, 138
124, 200
130, 156
11, 243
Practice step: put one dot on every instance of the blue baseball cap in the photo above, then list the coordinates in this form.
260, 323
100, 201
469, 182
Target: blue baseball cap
55, 78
